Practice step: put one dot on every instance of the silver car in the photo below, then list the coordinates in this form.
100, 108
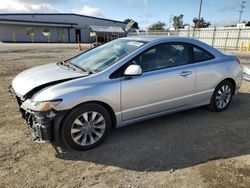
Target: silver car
78, 101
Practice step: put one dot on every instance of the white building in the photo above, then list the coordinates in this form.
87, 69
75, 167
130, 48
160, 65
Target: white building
58, 27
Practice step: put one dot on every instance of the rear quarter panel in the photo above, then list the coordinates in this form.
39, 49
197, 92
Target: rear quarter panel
211, 73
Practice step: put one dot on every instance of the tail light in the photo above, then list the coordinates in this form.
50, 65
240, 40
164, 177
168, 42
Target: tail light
238, 61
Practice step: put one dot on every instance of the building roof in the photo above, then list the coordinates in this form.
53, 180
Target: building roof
106, 29
25, 22
70, 14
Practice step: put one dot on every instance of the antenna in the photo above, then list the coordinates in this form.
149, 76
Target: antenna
242, 6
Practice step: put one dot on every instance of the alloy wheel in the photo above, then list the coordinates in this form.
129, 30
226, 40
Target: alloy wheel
88, 128
223, 96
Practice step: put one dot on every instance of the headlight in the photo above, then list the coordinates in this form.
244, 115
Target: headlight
45, 105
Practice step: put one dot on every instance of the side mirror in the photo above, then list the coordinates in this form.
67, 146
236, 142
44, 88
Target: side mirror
133, 70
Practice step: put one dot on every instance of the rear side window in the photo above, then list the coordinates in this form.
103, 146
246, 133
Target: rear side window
201, 55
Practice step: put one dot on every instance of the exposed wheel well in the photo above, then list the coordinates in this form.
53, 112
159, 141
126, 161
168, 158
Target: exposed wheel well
232, 82
107, 107
110, 110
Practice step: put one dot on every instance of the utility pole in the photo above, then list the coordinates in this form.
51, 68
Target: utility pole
241, 9
41, 5
199, 18
170, 21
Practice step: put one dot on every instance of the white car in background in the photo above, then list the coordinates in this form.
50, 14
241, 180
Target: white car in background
246, 72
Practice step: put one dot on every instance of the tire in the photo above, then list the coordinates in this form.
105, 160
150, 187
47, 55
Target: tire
222, 96
86, 126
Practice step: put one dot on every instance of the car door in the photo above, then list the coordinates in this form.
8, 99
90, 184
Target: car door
167, 82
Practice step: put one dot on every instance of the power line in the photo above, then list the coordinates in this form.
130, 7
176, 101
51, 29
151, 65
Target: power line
242, 6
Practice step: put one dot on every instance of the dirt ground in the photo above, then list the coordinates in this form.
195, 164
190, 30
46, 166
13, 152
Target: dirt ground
196, 148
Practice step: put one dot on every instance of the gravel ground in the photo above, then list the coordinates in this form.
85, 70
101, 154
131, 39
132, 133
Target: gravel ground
195, 148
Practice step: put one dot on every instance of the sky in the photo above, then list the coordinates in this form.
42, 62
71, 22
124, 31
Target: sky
145, 12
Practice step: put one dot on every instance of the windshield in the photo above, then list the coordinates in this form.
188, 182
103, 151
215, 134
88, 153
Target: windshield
106, 55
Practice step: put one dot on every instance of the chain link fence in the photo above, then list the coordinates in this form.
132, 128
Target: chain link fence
225, 38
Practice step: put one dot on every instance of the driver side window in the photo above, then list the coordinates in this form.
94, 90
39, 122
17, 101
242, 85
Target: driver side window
162, 56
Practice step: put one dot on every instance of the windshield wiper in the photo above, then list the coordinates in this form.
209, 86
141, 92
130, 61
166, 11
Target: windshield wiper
63, 63
70, 64
81, 68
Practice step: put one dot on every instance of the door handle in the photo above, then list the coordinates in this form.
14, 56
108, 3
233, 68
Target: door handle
185, 73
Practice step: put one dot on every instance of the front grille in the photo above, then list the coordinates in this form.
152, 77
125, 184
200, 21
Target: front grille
42, 127
37, 131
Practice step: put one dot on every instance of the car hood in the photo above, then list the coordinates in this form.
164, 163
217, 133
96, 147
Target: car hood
42, 75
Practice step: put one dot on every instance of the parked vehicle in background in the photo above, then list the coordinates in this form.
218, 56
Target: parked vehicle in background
78, 101
96, 44
246, 72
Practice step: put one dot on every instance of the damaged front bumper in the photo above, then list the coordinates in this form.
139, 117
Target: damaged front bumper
41, 124
45, 125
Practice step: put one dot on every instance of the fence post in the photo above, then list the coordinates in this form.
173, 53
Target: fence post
78, 38
241, 46
214, 33
63, 37
49, 38
238, 38
226, 42
193, 32
248, 47
14, 37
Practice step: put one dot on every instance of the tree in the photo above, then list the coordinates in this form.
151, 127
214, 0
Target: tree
178, 21
232, 25
135, 25
158, 26
201, 24
247, 23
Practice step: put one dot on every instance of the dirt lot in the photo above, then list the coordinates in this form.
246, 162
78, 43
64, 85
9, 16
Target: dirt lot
196, 148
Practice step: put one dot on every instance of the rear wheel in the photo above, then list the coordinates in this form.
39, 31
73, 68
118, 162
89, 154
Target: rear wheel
222, 96
86, 126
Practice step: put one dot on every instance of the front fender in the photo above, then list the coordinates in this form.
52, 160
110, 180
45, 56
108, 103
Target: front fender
72, 96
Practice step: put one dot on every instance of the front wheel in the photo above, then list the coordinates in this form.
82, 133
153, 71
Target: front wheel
222, 96
86, 126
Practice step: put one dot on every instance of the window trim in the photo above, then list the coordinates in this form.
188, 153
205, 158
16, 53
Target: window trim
123, 67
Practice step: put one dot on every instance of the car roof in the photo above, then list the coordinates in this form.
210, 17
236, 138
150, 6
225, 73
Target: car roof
151, 38
160, 38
